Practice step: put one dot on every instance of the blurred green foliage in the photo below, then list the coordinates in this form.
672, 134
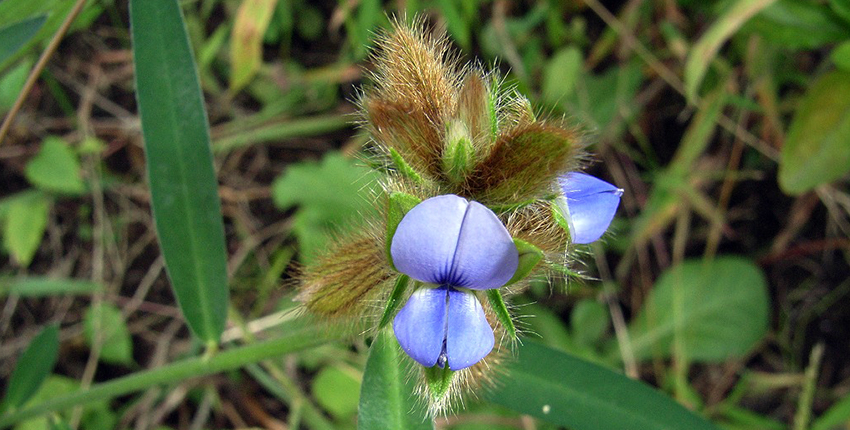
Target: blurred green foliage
330, 194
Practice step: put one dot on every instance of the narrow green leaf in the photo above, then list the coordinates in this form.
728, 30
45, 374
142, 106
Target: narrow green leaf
13, 11
184, 190
32, 368
816, 150
14, 36
104, 323
25, 222
246, 54
705, 49
56, 168
394, 301
387, 399
501, 310
238, 136
717, 309
35, 286
567, 391
799, 24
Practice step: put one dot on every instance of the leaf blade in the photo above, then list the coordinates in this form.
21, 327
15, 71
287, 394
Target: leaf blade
184, 192
15, 36
24, 224
386, 396
566, 391
816, 150
37, 286
718, 309
705, 49
33, 367
246, 40
56, 168
104, 324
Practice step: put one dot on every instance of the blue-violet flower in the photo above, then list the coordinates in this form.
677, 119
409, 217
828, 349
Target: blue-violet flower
590, 205
456, 245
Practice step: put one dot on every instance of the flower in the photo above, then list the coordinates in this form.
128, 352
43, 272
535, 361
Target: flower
589, 206
455, 245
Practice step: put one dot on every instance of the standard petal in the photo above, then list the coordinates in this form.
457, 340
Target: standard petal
591, 204
420, 326
469, 337
486, 256
423, 246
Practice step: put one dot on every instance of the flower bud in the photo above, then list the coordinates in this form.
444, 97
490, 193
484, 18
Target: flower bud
458, 152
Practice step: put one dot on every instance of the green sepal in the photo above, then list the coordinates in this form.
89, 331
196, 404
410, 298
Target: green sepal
403, 168
398, 205
439, 381
529, 256
501, 310
558, 207
458, 154
394, 300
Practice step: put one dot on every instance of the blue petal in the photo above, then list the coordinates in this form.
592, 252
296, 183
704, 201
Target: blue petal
486, 256
423, 246
469, 337
420, 326
447, 240
590, 205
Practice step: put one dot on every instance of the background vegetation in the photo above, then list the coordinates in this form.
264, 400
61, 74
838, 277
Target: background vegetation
724, 283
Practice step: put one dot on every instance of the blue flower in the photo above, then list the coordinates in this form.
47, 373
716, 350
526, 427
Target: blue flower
590, 205
456, 246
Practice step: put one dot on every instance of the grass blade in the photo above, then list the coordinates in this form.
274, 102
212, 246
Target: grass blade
246, 42
38, 286
704, 51
184, 190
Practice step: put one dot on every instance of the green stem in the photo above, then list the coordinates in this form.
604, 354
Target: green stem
279, 130
298, 339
